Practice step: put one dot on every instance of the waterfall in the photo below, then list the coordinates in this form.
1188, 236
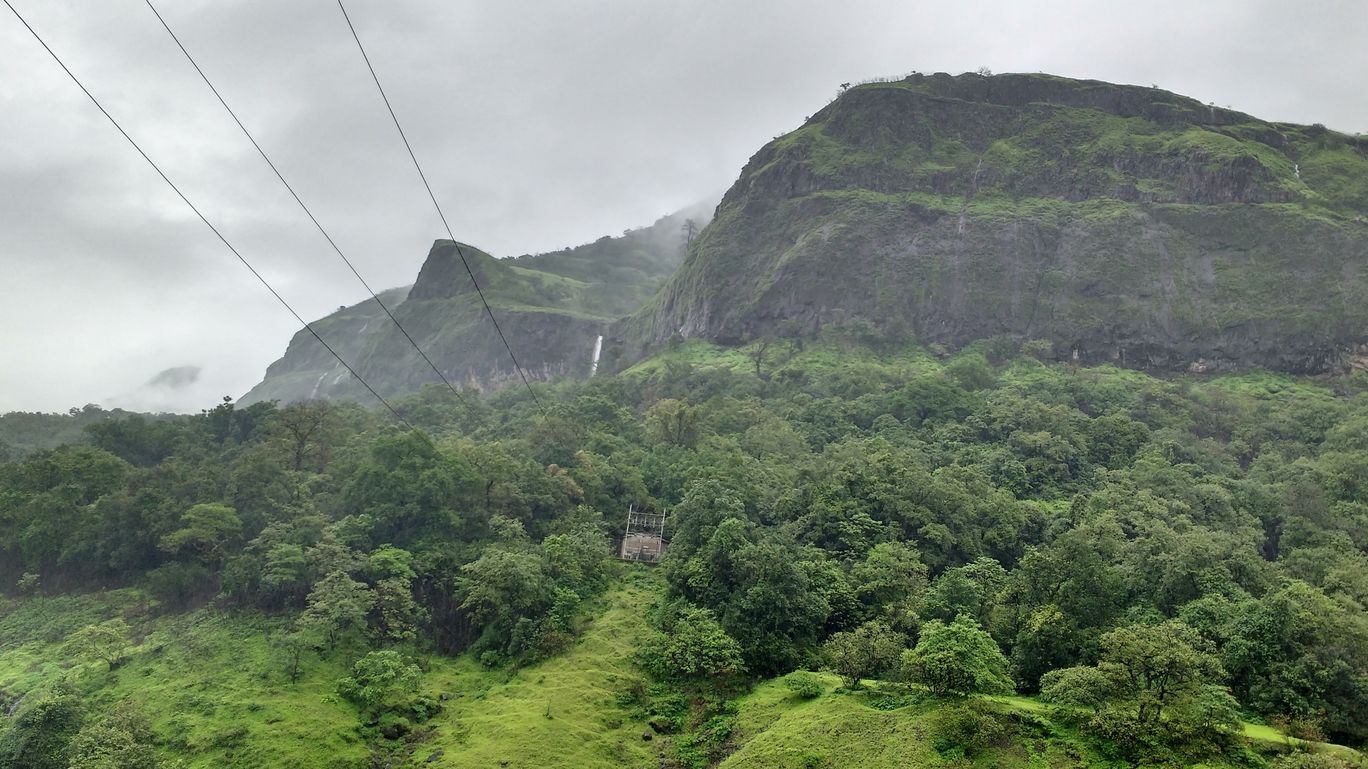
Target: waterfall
313, 394
598, 346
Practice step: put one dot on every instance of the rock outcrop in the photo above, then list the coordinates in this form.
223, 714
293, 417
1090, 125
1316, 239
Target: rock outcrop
551, 307
1118, 222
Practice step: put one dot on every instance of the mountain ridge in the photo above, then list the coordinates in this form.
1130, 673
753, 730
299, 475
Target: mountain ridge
551, 306
1117, 223
1102, 222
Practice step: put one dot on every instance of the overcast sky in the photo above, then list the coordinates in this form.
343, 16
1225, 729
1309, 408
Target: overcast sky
541, 124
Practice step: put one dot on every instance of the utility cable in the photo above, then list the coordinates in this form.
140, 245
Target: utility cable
305, 208
197, 212
438, 206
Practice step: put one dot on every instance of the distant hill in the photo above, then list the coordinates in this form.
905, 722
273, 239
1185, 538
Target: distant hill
1105, 223
1117, 223
551, 307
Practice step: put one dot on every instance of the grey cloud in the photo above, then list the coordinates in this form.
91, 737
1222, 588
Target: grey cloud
540, 124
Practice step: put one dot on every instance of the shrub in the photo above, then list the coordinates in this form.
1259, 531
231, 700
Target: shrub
804, 684
957, 659
378, 680
176, 584
966, 730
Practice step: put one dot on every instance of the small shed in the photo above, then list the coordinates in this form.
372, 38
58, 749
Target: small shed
644, 539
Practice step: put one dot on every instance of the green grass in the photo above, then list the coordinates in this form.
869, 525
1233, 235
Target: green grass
828, 354
210, 683
1259, 733
777, 730
561, 713
1262, 733
872, 730
217, 694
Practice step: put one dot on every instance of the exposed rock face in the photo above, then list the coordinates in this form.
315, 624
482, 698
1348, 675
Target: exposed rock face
1121, 223
551, 307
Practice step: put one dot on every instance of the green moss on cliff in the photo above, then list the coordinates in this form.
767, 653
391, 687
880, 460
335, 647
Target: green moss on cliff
1127, 223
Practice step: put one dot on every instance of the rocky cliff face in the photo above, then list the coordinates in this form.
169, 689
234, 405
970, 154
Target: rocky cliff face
1121, 223
551, 307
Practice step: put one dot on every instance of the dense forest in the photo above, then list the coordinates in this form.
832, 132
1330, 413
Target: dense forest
1150, 561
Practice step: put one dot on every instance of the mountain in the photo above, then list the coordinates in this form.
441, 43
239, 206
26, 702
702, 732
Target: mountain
1119, 223
551, 307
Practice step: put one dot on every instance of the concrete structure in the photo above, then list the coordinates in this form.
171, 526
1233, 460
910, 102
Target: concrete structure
644, 539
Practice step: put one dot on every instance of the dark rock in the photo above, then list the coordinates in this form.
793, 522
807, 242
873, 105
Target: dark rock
1126, 224
551, 307
646, 736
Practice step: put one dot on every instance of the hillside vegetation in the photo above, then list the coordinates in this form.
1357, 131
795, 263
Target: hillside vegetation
555, 303
1121, 223
991, 553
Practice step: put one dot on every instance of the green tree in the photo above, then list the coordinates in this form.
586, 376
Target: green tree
105, 642
379, 680
122, 739
295, 644
1152, 666
673, 422
694, 647
411, 491
957, 659
304, 429
971, 589
207, 530
774, 611
395, 615
337, 608
577, 559
40, 735
503, 584
865, 652
890, 582
1077, 687
972, 371
1297, 653
284, 575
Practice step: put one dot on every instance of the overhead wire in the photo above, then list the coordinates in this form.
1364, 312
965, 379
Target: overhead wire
459, 252
305, 208
199, 214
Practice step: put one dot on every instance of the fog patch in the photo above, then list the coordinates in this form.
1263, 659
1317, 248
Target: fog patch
179, 389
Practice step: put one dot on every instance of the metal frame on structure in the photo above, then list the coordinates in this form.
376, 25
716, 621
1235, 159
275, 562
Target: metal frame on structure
644, 538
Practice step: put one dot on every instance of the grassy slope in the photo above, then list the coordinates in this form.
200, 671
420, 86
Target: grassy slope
561, 713
217, 695
827, 355
209, 682
776, 730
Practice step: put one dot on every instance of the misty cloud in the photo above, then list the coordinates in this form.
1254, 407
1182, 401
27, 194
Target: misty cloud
177, 378
540, 125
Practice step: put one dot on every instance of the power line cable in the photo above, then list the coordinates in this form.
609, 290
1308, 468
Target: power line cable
307, 212
438, 206
196, 210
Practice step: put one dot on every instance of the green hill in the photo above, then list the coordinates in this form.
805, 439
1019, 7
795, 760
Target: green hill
1120, 223
554, 304
217, 693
